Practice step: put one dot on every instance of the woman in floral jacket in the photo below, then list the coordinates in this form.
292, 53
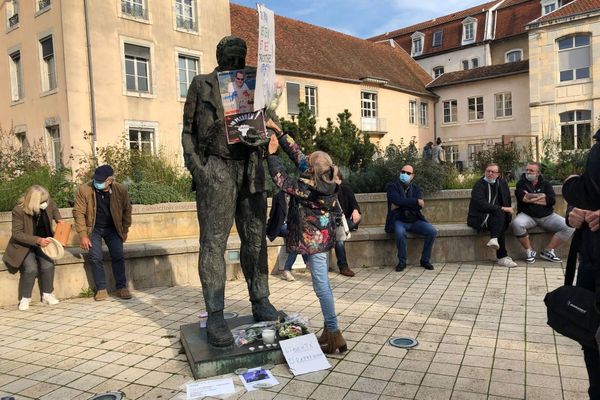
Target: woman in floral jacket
311, 221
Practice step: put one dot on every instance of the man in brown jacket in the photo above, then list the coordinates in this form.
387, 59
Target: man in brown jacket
103, 211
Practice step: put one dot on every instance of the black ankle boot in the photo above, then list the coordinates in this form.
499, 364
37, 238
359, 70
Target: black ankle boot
217, 330
263, 310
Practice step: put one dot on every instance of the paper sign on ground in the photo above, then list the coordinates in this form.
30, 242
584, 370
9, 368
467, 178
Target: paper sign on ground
258, 378
303, 354
215, 387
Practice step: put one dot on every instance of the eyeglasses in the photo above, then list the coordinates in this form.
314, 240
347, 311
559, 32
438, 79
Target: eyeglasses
487, 171
406, 172
239, 79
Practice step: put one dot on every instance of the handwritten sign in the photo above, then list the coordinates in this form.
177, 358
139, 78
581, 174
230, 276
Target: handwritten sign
265, 90
215, 387
303, 354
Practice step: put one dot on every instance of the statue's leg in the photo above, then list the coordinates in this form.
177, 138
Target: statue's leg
250, 217
215, 200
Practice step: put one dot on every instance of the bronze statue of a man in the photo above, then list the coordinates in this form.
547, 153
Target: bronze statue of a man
230, 185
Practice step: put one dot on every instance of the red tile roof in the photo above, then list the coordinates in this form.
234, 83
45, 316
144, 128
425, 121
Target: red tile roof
309, 50
481, 73
514, 15
575, 7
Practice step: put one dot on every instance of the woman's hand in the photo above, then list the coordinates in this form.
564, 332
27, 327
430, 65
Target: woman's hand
43, 242
273, 144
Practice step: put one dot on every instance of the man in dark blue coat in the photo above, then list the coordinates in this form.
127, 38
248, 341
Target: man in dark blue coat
404, 215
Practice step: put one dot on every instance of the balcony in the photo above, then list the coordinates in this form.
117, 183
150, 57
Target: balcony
134, 10
14, 20
186, 23
373, 125
42, 4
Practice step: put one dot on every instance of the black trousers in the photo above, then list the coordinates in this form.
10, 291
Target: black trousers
222, 197
586, 278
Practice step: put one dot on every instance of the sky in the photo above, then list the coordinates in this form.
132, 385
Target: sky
363, 18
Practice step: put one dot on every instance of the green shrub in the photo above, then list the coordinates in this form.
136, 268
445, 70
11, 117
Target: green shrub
153, 193
59, 186
506, 156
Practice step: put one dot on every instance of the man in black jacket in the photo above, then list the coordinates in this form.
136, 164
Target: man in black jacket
535, 206
490, 210
351, 209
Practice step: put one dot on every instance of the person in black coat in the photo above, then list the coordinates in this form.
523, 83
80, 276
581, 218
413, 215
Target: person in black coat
583, 195
405, 202
490, 210
351, 209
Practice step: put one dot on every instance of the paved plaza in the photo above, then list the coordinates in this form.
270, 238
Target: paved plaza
481, 329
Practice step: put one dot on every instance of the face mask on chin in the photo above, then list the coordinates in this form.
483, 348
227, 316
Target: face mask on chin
489, 180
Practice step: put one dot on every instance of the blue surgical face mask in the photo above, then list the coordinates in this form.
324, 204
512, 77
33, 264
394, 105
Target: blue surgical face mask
404, 178
489, 180
100, 185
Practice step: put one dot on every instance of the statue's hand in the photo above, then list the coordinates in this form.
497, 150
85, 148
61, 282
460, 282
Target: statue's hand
197, 167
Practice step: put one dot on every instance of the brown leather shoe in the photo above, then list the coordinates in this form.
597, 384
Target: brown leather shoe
123, 294
346, 271
324, 336
335, 341
100, 295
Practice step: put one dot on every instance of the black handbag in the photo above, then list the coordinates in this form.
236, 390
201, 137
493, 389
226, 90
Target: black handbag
573, 311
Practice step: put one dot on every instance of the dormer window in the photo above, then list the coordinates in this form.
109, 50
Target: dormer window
417, 44
437, 38
549, 6
469, 30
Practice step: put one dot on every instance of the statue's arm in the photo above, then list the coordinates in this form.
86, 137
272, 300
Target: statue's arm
188, 136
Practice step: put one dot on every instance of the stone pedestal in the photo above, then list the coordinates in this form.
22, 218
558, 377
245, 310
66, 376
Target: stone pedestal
206, 360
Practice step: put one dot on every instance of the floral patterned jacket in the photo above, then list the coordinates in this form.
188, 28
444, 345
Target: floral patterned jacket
311, 215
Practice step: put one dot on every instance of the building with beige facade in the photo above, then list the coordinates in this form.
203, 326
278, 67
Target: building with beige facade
481, 108
114, 68
565, 74
381, 86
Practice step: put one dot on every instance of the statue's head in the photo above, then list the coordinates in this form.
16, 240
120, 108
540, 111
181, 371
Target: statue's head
231, 53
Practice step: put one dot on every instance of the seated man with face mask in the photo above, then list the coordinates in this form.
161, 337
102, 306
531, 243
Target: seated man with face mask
535, 207
404, 215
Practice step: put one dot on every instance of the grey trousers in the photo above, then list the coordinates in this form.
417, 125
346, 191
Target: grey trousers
36, 261
222, 196
552, 223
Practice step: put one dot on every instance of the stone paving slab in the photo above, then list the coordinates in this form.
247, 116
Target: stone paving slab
481, 329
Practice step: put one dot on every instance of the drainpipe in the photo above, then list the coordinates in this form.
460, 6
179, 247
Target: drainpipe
91, 77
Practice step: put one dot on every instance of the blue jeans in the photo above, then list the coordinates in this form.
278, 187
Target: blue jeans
418, 227
115, 248
586, 278
340, 249
291, 256
319, 267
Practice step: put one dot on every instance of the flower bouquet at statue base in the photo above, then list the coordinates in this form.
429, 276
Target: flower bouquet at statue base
294, 325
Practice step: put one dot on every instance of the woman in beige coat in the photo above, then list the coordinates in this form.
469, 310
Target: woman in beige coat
31, 230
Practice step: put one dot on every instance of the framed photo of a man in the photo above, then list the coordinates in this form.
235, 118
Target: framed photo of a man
237, 91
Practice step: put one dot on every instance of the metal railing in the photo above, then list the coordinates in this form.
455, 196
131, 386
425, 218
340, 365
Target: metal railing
12, 21
135, 10
186, 23
43, 4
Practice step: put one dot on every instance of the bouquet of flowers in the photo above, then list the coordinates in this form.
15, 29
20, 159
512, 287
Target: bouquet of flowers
294, 325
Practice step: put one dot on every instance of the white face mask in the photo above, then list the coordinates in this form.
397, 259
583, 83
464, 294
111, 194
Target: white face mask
43, 205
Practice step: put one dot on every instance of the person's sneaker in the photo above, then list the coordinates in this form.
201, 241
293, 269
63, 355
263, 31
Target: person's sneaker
427, 265
506, 262
400, 267
550, 256
24, 303
493, 243
346, 271
48, 298
123, 294
530, 256
287, 276
100, 295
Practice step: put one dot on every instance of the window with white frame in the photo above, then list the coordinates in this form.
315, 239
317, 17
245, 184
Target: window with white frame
42, 4
12, 13
134, 8
16, 76
475, 108
423, 113
437, 71
185, 14
188, 69
437, 38
465, 64
310, 98
474, 149
513, 55
48, 64
141, 139
548, 6
475, 62
293, 97
417, 44
503, 105
137, 68
368, 104
469, 30
22, 138
450, 111
574, 58
576, 130
412, 112
55, 146
451, 153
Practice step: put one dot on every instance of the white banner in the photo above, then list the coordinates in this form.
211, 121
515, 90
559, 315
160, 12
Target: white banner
264, 91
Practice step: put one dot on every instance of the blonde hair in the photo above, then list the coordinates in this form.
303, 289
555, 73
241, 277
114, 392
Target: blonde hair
32, 199
323, 167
